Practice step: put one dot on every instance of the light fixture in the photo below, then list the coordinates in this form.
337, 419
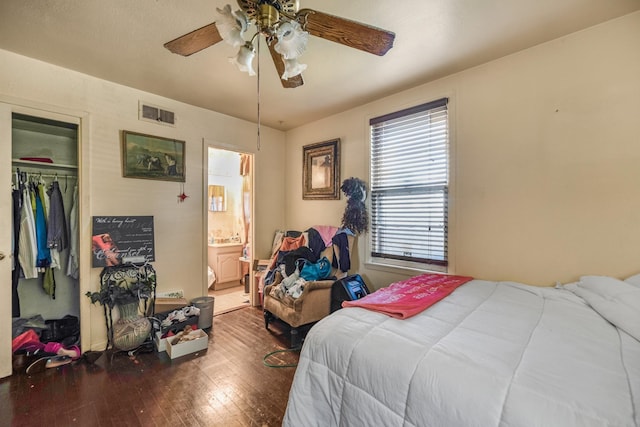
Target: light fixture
286, 30
292, 68
276, 21
292, 40
232, 25
244, 58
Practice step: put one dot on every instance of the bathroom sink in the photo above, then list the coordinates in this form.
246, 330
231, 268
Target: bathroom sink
225, 241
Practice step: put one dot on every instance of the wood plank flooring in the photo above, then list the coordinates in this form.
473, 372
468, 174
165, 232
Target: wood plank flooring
226, 385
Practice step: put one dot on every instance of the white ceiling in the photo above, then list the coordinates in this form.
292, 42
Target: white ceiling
122, 41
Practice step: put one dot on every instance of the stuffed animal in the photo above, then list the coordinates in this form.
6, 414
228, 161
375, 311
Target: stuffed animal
355, 216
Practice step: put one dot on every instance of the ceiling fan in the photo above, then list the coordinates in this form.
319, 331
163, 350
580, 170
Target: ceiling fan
286, 29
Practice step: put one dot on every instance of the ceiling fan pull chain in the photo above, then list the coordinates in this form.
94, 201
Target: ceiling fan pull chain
258, 91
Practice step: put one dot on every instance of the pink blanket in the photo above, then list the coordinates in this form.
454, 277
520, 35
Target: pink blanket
409, 297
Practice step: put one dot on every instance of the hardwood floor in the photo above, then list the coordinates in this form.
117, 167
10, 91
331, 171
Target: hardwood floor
226, 385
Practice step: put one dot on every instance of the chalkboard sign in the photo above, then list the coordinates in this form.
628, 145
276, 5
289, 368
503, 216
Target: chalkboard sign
120, 239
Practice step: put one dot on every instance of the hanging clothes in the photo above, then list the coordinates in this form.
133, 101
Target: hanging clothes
73, 267
57, 235
44, 197
49, 283
43, 260
40, 233
57, 230
28, 248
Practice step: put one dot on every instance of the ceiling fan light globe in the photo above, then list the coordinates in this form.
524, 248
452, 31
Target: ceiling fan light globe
244, 59
292, 40
292, 68
232, 25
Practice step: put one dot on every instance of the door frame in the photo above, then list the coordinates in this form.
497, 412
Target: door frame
254, 299
8, 106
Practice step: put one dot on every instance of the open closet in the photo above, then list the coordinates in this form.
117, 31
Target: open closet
45, 226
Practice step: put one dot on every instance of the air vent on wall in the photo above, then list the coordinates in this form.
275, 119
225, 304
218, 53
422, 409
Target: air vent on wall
156, 114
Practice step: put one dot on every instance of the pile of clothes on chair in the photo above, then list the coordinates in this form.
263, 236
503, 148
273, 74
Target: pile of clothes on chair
301, 257
303, 268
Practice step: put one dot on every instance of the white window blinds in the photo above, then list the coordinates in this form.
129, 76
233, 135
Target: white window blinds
409, 184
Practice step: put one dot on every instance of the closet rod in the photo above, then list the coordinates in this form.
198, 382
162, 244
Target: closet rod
49, 175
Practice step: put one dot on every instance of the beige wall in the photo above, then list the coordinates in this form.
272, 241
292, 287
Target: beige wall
545, 153
179, 227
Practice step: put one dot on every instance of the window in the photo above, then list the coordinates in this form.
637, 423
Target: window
409, 187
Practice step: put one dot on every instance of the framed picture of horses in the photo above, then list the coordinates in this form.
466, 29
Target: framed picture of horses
152, 157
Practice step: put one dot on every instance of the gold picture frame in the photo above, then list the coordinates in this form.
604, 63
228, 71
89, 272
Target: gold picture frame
152, 157
321, 170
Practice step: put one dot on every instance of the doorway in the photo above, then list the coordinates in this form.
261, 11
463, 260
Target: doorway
42, 148
229, 206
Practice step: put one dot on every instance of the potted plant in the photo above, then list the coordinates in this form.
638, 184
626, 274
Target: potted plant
125, 287
114, 292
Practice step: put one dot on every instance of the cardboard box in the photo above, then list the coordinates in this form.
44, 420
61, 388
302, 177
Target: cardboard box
161, 343
169, 304
188, 347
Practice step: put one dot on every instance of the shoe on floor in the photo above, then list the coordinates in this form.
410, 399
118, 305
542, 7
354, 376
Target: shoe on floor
47, 362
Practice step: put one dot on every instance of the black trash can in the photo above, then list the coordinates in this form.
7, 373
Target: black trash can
246, 283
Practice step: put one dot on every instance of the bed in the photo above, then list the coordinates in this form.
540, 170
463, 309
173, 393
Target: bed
489, 354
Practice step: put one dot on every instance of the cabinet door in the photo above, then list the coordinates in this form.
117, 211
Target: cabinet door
228, 267
5, 240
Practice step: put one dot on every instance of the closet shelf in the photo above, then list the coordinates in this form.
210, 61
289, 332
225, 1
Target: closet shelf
43, 164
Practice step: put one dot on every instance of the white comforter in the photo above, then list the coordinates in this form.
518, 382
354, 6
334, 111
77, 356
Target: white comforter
490, 354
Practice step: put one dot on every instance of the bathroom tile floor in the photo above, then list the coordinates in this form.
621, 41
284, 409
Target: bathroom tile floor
229, 299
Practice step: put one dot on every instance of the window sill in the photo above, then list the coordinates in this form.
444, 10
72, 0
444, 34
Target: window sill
406, 270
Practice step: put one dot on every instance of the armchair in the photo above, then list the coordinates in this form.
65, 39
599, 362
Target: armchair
314, 302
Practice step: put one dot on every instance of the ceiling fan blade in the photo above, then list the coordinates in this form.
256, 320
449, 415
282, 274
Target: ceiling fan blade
344, 31
292, 82
195, 41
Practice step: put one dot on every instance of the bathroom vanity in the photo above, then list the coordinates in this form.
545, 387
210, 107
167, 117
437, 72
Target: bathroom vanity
224, 258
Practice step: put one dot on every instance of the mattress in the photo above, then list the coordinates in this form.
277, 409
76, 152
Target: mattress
489, 354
